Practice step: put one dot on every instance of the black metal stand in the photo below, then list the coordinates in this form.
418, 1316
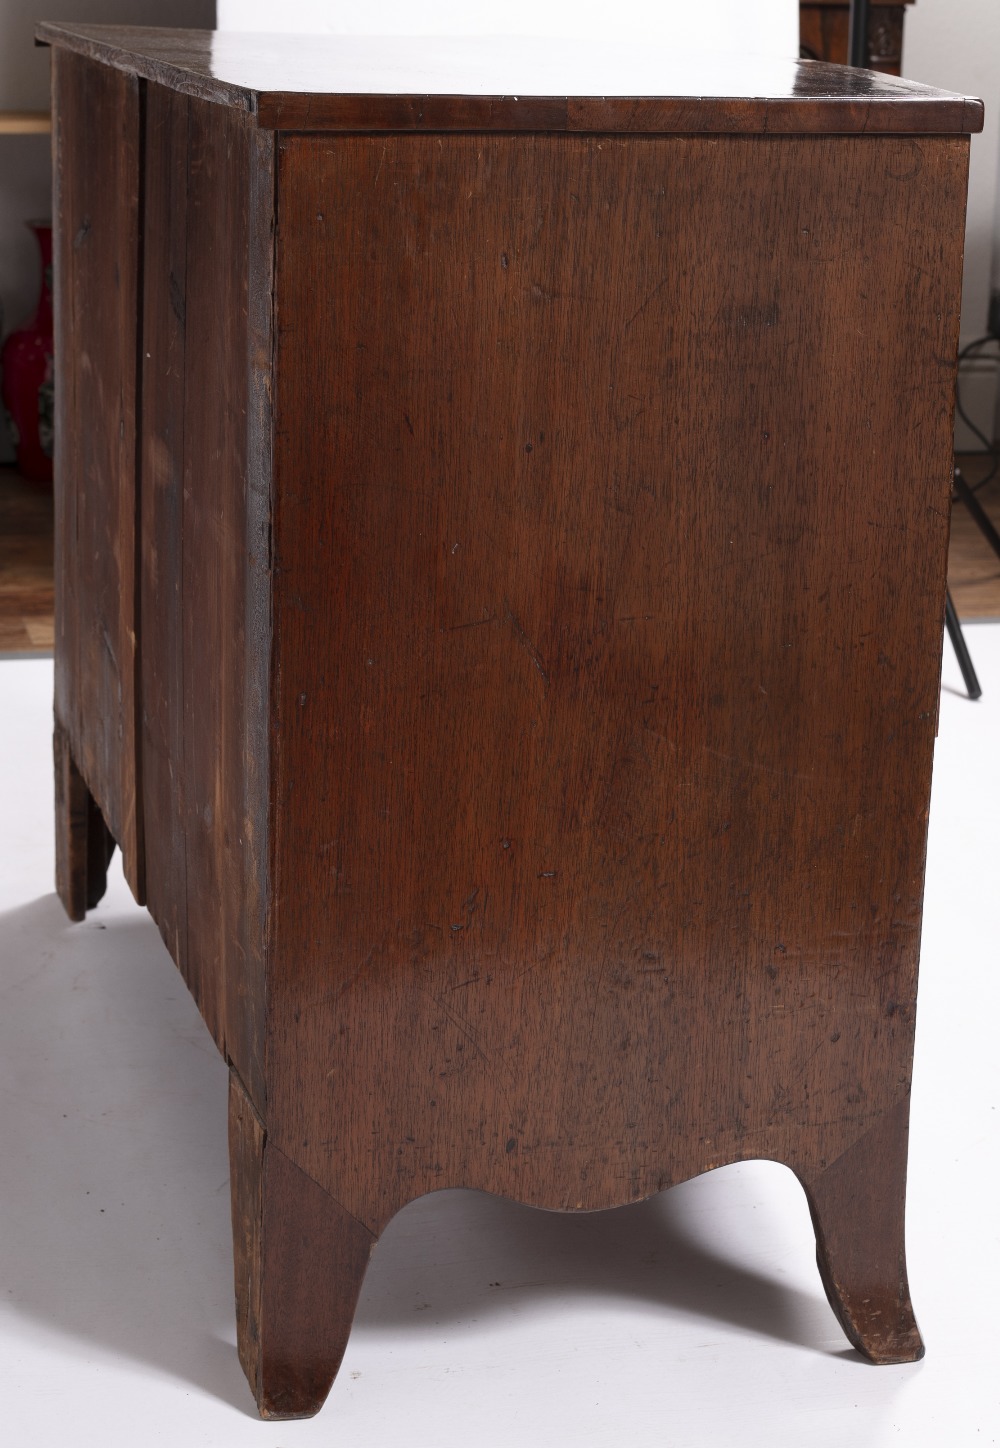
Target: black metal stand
961, 651
857, 35
857, 54
985, 525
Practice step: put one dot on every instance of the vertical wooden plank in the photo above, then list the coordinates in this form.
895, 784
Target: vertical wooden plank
247, 985
206, 570
300, 1261
83, 844
214, 547
246, 1175
162, 485
65, 183
97, 168
858, 1209
73, 807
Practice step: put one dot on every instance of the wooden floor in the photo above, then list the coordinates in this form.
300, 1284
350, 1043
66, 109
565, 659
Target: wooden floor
973, 567
26, 624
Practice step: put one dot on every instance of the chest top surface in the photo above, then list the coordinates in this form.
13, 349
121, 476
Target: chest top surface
327, 82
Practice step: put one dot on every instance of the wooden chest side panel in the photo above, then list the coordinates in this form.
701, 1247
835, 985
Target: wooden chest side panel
97, 179
206, 490
162, 482
612, 489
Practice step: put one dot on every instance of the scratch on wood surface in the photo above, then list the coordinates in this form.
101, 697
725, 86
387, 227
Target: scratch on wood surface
645, 303
469, 906
524, 640
467, 1031
341, 987
472, 623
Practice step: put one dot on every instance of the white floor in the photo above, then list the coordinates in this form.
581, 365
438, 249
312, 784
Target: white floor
694, 1320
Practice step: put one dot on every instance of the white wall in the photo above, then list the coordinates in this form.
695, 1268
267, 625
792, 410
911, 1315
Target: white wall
25, 170
768, 26
25, 194
24, 67
956, 44
995, 283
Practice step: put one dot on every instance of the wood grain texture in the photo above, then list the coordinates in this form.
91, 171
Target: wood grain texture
323, 82
83, 843
810, 112
72, 798
300, 1261
542, 617
96, 262
857, 1206
607, 643
162, 490
205, 469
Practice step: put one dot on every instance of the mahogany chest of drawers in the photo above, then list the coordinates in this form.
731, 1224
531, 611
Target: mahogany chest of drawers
502, 505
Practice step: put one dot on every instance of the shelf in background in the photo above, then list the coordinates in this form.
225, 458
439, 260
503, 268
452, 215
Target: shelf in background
25, 123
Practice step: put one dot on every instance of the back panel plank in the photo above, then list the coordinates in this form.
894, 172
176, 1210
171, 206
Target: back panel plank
162, 472
97, 145
608, 632
205, 564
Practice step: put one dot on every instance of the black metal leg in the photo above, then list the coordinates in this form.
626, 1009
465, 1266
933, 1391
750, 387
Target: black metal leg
857, 34
961, 652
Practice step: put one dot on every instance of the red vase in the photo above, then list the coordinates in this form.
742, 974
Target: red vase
28, 373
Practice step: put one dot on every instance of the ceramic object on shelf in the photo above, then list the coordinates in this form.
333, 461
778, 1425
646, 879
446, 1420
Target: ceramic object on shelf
28, 375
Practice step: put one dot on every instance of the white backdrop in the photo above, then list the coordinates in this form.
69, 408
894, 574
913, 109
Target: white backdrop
768, 27
956, 44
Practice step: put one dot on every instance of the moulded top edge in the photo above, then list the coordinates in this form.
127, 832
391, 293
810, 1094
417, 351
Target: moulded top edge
331, 82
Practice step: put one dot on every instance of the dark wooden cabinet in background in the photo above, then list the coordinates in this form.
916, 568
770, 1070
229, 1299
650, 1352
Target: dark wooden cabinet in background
501, 564
824, 27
